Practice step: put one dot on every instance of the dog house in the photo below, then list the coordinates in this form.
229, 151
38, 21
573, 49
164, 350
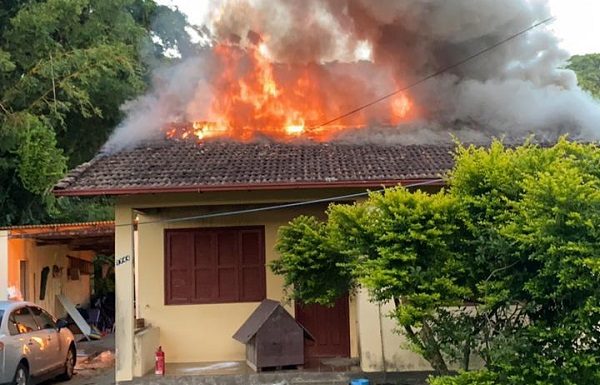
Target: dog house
273, 337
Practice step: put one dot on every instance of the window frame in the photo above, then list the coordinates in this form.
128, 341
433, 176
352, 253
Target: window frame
239, 267
26, 308
44, 312
10, 321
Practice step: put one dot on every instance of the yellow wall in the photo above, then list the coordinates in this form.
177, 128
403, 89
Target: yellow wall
193, 333
38, 257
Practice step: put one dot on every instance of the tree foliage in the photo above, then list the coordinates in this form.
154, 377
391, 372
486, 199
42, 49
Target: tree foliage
66, 66
504, 263
587, 69
306, 256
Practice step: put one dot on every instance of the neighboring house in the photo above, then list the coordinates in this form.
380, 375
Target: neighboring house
195, 227
39, 262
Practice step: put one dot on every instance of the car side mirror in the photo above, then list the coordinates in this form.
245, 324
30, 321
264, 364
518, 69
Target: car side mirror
61, 323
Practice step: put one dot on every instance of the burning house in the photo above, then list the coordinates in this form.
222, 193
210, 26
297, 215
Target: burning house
326, 100
206, 215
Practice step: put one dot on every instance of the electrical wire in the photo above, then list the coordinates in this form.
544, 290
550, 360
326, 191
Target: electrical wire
270, 208
278, 207
435, 74
360, 108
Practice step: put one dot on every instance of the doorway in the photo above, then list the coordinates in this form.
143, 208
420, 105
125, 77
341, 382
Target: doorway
23, 284
330, 327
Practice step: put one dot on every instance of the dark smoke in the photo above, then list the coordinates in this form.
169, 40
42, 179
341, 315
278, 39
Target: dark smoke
518, 89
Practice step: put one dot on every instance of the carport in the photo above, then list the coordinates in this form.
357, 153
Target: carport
39, 262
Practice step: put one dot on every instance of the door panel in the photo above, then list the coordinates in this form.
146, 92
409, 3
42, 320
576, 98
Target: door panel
31, 339
330, 326
55, 357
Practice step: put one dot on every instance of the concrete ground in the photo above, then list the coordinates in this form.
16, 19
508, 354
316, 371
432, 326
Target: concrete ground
95, 366
107, 377
93, 347
95, 363
99, 377
200, 374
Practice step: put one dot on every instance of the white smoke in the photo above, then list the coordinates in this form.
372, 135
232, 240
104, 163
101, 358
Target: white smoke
518, 89
175, 90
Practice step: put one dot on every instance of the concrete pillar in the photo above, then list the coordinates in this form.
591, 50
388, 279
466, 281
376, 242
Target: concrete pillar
369, 334
3, 265
124, 270
136, 272
381, 346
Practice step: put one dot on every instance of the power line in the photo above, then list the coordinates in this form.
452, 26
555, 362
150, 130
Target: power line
437, 73
360, 108
276, 207
271, 208
266, 208
364, 106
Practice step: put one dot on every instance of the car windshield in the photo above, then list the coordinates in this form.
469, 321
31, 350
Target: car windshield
1, 314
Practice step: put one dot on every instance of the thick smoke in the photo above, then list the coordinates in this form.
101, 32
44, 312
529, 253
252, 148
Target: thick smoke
515, 90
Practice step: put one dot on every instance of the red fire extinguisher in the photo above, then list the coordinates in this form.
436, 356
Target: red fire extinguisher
159, 366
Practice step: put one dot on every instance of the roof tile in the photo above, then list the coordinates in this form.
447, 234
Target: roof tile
172, 165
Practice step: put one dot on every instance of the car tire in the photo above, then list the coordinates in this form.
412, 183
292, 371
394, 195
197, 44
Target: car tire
21, 375
69, 365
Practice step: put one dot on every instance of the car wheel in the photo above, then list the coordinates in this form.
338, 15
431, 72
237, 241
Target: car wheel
69, 365
21, 375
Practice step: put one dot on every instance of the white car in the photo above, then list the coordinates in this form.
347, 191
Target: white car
33, 346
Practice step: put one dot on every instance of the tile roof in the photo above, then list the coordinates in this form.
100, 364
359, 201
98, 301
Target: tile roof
59, 226
174, 166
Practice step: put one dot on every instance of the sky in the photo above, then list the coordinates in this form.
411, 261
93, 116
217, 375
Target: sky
577, 24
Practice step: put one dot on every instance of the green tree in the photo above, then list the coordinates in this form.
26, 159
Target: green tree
504, 263
66, 66
587, 69
535, 210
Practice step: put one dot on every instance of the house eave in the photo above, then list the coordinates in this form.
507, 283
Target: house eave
248, 187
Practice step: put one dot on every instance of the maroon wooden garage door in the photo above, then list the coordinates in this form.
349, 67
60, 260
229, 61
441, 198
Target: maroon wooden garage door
329, 325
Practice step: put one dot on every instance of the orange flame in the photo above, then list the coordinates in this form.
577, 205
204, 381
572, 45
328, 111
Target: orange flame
253, 96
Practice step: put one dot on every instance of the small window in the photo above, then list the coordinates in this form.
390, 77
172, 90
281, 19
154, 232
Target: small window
24, 321
43, 319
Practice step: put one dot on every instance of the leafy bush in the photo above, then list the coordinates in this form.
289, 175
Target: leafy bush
480, 377
505, 263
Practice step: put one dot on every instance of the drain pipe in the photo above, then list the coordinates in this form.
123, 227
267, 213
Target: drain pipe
382, 346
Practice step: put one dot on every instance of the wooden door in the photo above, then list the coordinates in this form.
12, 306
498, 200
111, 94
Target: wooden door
330, 326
